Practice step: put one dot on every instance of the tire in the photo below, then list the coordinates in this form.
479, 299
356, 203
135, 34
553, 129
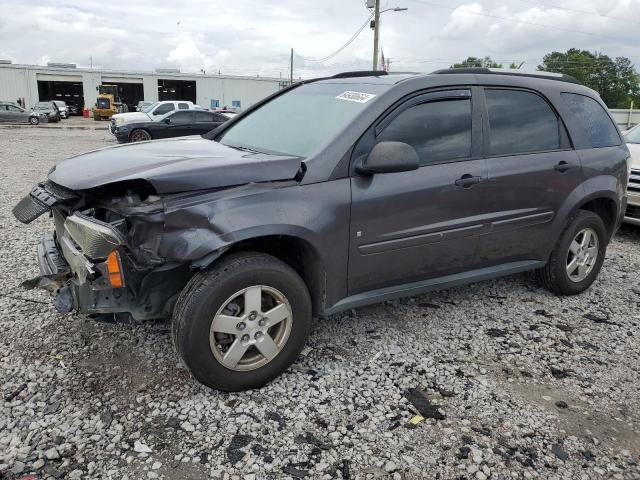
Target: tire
139, 135
96, 117
555, 276
34, 120
203, 299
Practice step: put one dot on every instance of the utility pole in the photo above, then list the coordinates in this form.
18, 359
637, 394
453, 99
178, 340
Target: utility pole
376, 30
291, 69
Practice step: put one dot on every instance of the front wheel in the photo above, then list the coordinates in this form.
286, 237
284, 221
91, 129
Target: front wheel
139, 135
34, 120
577, 258
242, 323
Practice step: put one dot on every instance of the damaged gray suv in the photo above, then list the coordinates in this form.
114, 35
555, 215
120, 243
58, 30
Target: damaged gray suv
329, 195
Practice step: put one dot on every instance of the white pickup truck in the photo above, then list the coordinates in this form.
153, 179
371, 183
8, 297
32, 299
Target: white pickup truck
153, 112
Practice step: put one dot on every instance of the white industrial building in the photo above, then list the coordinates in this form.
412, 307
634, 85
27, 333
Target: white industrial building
65, 82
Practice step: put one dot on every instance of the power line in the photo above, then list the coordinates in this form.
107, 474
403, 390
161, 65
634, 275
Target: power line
513, 20
349, 42
574, 10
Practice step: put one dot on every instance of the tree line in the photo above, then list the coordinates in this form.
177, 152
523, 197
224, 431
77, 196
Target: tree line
615, 79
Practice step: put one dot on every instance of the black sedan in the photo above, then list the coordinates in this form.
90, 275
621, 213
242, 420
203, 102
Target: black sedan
175, 124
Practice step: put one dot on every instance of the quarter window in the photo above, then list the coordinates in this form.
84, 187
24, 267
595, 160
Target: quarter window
521, 122
593, 119
438, 130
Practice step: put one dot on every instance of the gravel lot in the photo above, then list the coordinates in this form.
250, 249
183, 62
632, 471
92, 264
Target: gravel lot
519, 383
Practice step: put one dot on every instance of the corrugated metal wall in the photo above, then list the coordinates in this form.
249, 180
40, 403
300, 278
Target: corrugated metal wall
17, 81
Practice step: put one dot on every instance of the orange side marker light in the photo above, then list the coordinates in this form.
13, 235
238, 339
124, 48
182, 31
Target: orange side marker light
115, 271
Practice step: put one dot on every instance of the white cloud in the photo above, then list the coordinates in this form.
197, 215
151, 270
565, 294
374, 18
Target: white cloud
255, 37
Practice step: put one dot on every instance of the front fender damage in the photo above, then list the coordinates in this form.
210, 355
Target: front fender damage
186, 229
160, 241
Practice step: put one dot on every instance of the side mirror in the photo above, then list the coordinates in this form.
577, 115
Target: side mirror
389, 157
167, 121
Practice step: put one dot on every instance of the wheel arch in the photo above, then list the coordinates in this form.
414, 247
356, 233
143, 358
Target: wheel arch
140, 128
298, 253
605, 207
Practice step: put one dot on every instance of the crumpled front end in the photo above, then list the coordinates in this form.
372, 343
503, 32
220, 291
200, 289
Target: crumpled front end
88, 261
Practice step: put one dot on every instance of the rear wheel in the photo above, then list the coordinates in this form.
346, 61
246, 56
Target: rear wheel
242, 323
577, 258
139, 135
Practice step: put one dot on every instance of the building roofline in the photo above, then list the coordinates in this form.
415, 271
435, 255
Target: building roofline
135, 73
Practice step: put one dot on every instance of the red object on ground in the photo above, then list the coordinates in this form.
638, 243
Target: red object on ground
85, 113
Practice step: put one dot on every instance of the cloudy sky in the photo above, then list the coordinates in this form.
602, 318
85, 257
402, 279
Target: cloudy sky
255, 37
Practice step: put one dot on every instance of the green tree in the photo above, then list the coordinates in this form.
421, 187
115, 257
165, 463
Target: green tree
477, 62
616, 80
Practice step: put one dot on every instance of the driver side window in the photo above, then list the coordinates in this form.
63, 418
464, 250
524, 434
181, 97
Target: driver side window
162, 109
437, 130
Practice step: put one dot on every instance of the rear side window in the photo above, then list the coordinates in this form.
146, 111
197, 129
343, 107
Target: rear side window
180, 118
593, 120
439, 130
183, 106
521, 122
204, 117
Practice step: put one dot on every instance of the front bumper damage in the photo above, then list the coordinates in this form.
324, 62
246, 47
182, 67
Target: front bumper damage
73, 264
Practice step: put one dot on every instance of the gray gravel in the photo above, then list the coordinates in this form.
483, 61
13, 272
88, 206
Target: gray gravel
519, 383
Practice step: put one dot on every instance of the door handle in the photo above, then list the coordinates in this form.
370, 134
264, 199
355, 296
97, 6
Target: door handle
467, 180
562, 166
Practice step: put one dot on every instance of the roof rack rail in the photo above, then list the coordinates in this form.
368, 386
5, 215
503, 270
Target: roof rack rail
361, 73
561, 77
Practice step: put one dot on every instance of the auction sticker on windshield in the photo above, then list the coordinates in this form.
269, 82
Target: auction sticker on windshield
359, 97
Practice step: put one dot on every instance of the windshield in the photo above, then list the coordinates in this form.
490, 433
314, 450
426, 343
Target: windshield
633, 135
303, 120
60, 103
43, 106
150, 107
103, 103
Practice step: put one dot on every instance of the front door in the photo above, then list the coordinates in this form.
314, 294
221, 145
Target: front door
532, 170
411, 226
181, 124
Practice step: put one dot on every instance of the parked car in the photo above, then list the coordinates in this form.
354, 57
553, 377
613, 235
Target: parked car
153, 112
62, 108
331, 195
74, 109
10, 112
50, 109
142, 105
174, 124
632, 214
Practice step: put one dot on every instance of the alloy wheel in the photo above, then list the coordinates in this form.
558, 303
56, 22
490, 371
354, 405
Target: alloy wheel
139, 136
582, 255
251, 328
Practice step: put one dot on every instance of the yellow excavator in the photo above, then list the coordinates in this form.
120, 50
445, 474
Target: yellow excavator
108, 103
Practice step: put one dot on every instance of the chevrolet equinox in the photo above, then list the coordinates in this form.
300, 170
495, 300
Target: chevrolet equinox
329, 195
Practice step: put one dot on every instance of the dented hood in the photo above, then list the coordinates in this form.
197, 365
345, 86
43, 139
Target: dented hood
173, 165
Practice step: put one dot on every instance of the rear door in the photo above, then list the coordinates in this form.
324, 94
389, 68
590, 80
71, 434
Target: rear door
411, 226
206, 121
532, 170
